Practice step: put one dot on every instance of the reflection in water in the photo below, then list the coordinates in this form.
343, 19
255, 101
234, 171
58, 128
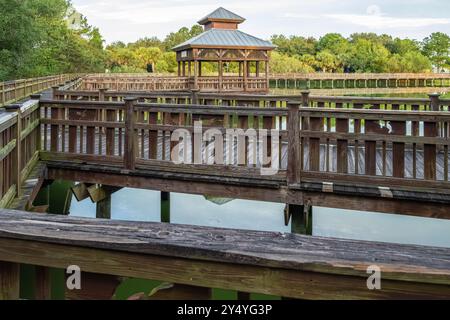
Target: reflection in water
145, 205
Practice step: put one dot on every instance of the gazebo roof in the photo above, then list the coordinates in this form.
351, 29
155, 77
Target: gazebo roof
221, 14
220, 38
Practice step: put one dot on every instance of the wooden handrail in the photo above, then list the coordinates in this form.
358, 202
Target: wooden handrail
15, 90
292, 265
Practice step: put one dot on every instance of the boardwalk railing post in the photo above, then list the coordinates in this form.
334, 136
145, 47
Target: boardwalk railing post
55, 92
194, 96
431, 130
130, 148
38, 136
305, 98
293, 126
434, 101
18, 162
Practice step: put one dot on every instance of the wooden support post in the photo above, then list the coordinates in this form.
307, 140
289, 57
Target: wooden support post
196, 72
305, 98
430, 150
301, 219
103, 208
9, 281
165, 207
130, 148
266, 65
194, 96
398, 148
17, 153
293, 126
220, 76
43, 283
244, 71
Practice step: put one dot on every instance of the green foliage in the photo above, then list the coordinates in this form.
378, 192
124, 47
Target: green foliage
367, 52
182, 35
437, 48
294, 45
41, 37
281, 63
36, 40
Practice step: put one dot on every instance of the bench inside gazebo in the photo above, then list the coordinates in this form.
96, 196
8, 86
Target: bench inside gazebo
240, 61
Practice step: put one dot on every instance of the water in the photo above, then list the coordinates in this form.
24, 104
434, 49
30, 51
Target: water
145, 205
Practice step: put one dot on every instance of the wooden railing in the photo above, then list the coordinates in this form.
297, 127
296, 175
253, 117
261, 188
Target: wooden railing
147, 83
362, 76
377, 142
319, 83
170, 83
191, 260
337, 141
11, 91
20, 143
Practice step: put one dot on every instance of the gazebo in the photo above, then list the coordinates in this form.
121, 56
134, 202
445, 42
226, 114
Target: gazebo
223, 44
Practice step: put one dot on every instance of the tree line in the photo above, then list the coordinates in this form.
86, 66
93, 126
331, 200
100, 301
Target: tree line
361, 52
43, 37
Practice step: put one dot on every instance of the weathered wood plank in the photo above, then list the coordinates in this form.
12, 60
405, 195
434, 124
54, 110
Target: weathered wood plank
337, 256
272, 263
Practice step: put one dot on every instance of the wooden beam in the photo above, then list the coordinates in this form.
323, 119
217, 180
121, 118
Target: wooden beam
9, 281
173, 182
43, 283
99, 193
80, 191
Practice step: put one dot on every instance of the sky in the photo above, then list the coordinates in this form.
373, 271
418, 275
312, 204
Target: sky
129, 20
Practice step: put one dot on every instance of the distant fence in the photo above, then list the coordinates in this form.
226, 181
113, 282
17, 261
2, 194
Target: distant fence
14, 90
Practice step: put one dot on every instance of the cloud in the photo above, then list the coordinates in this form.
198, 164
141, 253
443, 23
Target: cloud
379, 21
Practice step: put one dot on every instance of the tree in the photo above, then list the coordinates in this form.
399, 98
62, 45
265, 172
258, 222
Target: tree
437, 48
147, 56
282, 63
182, 35
294, 45
368, 56
327, 61
147, 43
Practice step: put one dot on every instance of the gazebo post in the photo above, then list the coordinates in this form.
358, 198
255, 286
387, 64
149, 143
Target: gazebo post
189, 69
199, 68
179, 68
267, 74
184, 68
245, 74
196, 63
220, 75
257, 69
